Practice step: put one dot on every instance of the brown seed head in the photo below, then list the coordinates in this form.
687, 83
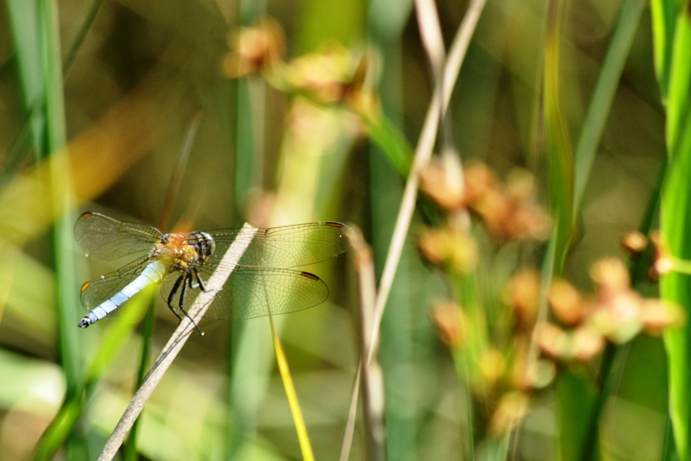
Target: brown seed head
619, 318
663, 259
522, 294
479, 178
587, 342
552, 340
449, 320
566, 303
442, 180
612, 276
512, 408
325, 76
635, 242
254, 48
456, 250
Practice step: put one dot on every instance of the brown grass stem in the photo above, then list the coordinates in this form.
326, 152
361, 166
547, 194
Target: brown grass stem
423, 153
370, 373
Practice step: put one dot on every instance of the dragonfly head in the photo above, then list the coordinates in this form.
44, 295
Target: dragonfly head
203, 243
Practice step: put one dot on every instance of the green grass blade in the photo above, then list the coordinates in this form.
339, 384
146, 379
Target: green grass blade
603, 95
26, 35
574, 393
675, 228
668, 451
586, 149
119, 331
576, 404
391, 143
24, 22
559, 148
678, 102
68, 301
81, 35
664, 17
37, 42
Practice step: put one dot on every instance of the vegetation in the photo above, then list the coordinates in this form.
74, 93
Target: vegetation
490, 157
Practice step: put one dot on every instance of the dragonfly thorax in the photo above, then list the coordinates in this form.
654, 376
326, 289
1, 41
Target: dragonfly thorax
184, 251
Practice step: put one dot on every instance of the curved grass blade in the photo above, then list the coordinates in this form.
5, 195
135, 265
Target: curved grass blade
119, 331
559, 148
603, 95
282, 361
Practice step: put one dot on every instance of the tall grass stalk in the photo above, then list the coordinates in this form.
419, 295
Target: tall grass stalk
672, 35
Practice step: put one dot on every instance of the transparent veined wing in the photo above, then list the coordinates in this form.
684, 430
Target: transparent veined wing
106, 238
285, 246
251, 292
102, 288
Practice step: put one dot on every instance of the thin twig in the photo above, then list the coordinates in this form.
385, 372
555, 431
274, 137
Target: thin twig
430, 33
372, 381
423, 152
177, 340
352, 414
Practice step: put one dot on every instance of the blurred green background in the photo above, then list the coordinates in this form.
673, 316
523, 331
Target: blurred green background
96, 101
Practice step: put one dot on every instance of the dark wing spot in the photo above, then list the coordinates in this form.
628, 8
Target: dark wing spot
309, 276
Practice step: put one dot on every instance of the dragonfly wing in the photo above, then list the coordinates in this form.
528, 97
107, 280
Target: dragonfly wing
253, 292
102, 288
286, 246
106, 238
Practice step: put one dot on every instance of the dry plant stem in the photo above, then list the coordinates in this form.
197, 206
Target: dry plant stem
430, 32
433, 42
347, 442
373, 385
177, 340
423, 152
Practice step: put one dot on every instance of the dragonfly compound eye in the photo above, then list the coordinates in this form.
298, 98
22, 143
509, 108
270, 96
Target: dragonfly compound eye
203, 243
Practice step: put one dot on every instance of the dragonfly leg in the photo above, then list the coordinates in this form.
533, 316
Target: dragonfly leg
187, 283
173, 292
183, 294
200, 282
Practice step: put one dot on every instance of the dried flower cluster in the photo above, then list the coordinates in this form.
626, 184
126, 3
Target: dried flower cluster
616, 314
508, 210
451, 248
254, 49
500, 367
501, 375
578, 329
331, 76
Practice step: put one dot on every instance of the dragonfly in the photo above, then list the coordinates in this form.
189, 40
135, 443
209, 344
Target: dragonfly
263, 282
